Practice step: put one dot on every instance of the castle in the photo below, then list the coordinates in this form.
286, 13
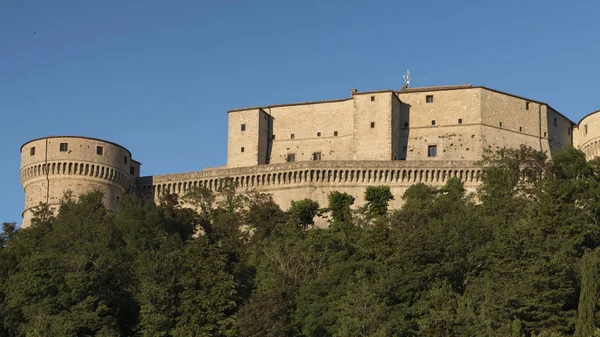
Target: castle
305, 150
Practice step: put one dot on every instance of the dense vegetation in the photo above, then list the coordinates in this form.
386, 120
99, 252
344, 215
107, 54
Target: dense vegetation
518, 258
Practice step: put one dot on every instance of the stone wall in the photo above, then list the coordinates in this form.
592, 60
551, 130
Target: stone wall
53, 165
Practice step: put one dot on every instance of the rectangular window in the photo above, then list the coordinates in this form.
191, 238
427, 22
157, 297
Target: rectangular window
372, 98
64, 147
242, 149
405, 124
432, 151
429, 99
291, 157
317, 156
585, 129
520, 129
460, 121
273, 137
132, 170
527, 105
555, 121
32, 151
319, 134
544, 134
372, 125
500, 124
243, 127
569, 131
99, 150
292, 136
432, 123
335, 133
125, 159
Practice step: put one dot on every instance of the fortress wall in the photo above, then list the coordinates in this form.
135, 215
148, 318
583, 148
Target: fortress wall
587, 135
457, 131
47, 172
372, 126
304, 122
560, 130
295, 181
243, 145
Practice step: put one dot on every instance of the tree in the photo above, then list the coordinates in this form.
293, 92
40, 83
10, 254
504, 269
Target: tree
377, 200
339, 205
304, 211
588, 297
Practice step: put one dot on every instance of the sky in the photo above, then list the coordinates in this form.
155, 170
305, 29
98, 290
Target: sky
158, 77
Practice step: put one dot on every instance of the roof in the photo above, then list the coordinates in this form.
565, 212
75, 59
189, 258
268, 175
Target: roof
409, 90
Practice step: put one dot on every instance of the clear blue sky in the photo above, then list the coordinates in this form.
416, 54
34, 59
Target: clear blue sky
159, 76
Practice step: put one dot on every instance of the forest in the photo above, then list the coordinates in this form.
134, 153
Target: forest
518, 257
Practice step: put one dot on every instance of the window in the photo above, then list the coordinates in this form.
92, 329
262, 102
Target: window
429, 99
372, 98
99, 150
319, 134
527, 105
32, 151
460, 121
291, 157
500, 124
335, 133
317, 156
432, 151
520, 129
125, 159
242, 149
405, 124
243, 127
544, 134
273, 137
64, 147
432, 123
555, 121
585, 129
292, 136
372, 125
132, 170
569, 131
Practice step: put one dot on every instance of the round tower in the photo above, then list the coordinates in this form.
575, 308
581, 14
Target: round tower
587, 135
51, 166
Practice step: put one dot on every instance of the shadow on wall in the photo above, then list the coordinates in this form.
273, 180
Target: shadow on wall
403, 131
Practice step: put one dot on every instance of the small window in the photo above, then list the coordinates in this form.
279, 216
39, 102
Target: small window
372, 125
292, 136
273, 137
335, 133
317, 156
544, 134
429, 99
125, 159
372, 98
520, 129
569, 131
432, 151
500, 124
460, 121
291, 157
32, 151
319, 134
527, 105
99, 150
585, 129
242, 149
555, 121
243, 127
64, 147
132, 170
405, 124
432, 123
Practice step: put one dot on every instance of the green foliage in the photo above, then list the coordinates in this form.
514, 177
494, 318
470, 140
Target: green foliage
518, 258
304, 211
377, 200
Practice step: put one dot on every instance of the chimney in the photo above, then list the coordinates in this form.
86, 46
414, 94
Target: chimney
353, 91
